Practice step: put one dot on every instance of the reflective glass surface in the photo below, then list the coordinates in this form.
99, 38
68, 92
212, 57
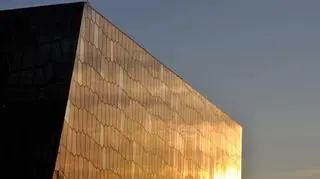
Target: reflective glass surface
128, 116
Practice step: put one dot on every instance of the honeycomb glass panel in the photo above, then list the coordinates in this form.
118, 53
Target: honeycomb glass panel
129, 116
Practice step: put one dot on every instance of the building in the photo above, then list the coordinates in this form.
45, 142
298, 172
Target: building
82, 100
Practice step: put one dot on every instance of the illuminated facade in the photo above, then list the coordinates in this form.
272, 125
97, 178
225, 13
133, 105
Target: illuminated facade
120, 113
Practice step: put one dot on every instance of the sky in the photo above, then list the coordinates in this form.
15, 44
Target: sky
257, 60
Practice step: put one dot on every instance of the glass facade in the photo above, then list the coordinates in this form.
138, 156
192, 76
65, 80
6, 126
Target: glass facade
82, 100
130, 117
37, 52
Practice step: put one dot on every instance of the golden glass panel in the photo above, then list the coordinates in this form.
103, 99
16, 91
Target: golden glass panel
128, 116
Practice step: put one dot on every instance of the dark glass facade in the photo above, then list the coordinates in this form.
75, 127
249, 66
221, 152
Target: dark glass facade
109, 108
37, 52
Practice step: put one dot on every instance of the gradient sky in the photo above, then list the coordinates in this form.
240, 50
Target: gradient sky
258, 60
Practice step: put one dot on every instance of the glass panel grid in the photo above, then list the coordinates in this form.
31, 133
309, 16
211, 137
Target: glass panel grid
129, 116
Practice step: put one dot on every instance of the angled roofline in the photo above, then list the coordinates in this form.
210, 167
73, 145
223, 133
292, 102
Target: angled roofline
164, 65
42, 5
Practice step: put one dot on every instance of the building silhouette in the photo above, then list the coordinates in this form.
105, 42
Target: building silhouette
81, 100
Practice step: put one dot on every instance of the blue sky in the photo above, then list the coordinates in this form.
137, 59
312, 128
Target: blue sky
258, 60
